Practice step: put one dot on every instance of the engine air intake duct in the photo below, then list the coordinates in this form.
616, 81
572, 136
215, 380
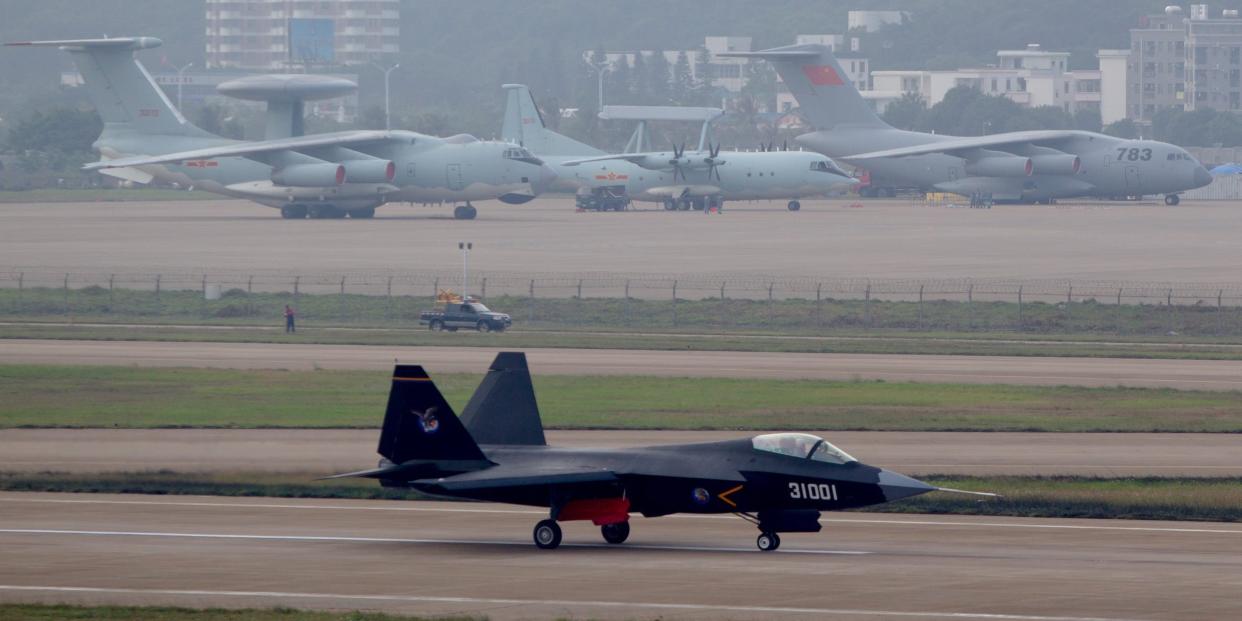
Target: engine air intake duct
1001, 167
370, 171
310, 175
1061, 164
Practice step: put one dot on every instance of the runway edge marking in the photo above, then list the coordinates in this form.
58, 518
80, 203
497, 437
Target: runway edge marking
559, 602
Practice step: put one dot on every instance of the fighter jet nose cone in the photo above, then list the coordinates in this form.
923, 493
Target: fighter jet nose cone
1202, 177
896, 486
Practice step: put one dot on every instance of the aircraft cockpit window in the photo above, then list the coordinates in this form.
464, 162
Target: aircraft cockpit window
517, 153
1174, 156
801, 445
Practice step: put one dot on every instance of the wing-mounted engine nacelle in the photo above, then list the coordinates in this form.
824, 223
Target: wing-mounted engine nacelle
1001, 167
1059, 164
310, 175
370, 171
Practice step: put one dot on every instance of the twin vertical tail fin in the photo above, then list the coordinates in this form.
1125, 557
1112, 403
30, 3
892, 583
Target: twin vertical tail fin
120, 88
503, 409
826, 96
420, 425
523, 124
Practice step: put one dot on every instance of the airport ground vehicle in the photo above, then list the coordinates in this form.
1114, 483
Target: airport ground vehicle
469, 313
604, 198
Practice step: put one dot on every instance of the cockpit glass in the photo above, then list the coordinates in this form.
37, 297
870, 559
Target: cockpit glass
801, 445
516, 153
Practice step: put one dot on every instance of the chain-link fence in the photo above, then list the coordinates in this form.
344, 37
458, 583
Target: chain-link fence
635, 301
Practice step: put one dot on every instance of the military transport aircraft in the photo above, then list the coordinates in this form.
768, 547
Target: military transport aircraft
1028, 165
321, 175
678, 179
496, 452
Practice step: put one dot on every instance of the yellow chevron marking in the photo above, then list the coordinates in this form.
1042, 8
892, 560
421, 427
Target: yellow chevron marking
725, 496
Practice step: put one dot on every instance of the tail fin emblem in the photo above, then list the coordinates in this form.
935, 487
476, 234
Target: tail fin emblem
822, 75
427, 421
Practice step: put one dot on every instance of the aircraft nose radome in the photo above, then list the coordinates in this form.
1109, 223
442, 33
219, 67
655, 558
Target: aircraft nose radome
1202, 177
896, 486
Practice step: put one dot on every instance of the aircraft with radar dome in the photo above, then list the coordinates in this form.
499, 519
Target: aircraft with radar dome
329, 175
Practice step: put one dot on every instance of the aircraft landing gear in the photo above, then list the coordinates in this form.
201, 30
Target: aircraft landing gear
547, 535
768, 541
615, 533
670, 204
1172, 199
323, 212
794, 205
465, 212
293, 212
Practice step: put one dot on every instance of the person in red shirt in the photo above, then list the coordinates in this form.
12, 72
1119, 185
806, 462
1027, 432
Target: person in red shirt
289, 314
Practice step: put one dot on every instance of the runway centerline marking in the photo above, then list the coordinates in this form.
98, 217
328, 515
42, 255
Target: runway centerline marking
840, 520
338, 538
560, 602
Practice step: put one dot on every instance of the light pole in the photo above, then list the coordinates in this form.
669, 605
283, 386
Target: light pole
465, 248
180, 81
387, 72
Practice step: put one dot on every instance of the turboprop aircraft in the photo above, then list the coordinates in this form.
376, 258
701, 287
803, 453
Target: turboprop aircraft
680, 179
497, 452
1036, 166
321, 175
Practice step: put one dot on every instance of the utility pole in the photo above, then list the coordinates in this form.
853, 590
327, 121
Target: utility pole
465, 248
387, 71
180, 81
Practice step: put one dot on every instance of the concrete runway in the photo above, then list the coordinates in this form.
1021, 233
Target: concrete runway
1182, 374
473, 559
314, 452
1194, 242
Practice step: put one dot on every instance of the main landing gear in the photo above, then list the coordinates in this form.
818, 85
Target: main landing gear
465, 212
1172, 199
547, 534
794, 206
615, 533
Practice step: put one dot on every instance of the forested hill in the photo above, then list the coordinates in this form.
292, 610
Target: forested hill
455, 54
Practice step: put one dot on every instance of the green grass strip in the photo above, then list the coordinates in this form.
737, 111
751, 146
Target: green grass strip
1139, 498
131, 397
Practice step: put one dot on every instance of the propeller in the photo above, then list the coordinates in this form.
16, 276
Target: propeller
676, 162
711, 161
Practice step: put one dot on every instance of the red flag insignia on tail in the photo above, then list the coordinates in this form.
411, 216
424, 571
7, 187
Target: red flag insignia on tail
822, 75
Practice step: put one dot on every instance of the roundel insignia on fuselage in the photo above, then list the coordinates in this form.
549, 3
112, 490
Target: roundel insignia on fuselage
701, 496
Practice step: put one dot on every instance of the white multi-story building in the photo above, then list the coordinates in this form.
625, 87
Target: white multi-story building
1030, 77
871, 21
279, 35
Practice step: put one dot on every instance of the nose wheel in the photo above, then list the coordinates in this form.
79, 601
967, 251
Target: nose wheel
547, 535
768, 541
1172, 199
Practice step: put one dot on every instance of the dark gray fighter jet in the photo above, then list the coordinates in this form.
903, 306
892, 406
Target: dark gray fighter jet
496, 452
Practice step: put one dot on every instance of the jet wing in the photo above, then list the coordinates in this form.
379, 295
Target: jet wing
519, 476
957, 146
249, 149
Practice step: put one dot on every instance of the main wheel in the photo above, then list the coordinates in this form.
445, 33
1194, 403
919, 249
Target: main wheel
436, 325
794, 205
459, 212
1172, 199
483, 327
471, 212
369, 212
293, 212
615, 533
547, 534
670, 204
768, 541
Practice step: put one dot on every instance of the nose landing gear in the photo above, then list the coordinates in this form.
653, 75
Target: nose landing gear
465, 212
768, 541
1172, 199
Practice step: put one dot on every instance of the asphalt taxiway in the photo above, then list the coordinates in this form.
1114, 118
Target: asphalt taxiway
1032, 370
475, 559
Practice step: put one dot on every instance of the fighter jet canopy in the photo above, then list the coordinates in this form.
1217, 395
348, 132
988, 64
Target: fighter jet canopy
802, 445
